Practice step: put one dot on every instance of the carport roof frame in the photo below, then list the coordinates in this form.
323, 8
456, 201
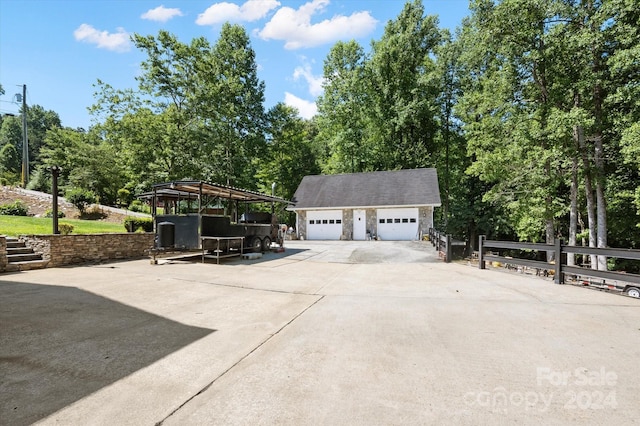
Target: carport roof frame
200, 188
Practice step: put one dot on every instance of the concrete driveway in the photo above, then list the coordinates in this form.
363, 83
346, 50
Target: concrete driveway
326, 333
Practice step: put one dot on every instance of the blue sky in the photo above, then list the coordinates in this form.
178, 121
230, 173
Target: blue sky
60, 48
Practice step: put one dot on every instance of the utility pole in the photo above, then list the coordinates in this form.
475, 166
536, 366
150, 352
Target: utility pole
25, 140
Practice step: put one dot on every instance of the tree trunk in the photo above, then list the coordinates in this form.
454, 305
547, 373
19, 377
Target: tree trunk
447, 138
601, 216
588, 188
573, 210
600, 197
599, 94
549, 227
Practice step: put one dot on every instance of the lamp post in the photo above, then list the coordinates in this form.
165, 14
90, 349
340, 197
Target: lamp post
55, 172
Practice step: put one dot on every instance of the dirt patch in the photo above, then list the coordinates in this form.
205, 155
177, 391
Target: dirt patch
39, 204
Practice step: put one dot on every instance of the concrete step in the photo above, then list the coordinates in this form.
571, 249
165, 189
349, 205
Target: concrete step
14, 243
26, 265
19, 250
14, 258
22, 258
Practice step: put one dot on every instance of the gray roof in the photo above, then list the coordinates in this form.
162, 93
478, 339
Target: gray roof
415, 187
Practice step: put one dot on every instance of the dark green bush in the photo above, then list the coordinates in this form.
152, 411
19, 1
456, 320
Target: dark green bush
49, 213
80, 198
17, 208
133, 224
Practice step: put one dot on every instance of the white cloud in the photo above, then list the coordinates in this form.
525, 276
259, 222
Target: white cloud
295, 27
250, 11
315, 82
118, 41
161, 14
306, 109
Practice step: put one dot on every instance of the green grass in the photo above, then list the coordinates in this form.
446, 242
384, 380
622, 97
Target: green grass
25, 225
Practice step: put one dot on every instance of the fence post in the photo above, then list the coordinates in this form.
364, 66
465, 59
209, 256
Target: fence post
449, 249
558, 279
480, 251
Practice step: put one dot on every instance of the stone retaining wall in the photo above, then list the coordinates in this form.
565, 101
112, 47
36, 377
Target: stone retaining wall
3, 253
62, 250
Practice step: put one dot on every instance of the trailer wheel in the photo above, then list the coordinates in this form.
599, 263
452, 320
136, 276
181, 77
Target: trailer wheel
633, 292
256, 244
266, 243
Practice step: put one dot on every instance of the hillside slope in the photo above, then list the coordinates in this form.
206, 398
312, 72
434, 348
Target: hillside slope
40, 202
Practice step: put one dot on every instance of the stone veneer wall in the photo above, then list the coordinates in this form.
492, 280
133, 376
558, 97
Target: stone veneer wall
3, 253
372, 222
347, 224
301, 224
426, 219
62, 250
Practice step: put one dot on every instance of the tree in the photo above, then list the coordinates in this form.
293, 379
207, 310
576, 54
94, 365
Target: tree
404, 91
624, 98
231, 105
88, 163
342, 116
290, 153
507, 108
197, 114
39, 122
11, 151
9, 164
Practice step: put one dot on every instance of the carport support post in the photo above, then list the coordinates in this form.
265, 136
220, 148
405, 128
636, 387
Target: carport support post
558, 278
449, 249
480, 251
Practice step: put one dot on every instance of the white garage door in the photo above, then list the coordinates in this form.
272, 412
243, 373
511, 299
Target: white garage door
398, 224
324, 225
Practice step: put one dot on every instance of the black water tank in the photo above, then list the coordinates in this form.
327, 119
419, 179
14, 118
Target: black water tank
166, 234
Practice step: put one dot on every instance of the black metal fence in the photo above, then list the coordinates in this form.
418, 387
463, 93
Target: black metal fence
558, 266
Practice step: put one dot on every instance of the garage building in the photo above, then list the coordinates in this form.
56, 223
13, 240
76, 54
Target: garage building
391, 205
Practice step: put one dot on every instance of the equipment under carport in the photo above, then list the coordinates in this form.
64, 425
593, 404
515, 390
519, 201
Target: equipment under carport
205, 228
166, 234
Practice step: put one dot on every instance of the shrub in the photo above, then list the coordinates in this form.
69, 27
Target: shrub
124, 197
80, 198
94, 213
49, 213
17, 208
65, 228
139, 206
133, 224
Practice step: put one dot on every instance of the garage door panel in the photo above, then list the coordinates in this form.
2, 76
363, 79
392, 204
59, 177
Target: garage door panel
398, 224
324, 225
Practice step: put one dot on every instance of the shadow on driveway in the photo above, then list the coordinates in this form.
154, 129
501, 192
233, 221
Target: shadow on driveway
60, 344
237, 260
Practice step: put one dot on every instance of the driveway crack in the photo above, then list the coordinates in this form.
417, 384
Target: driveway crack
247, 355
